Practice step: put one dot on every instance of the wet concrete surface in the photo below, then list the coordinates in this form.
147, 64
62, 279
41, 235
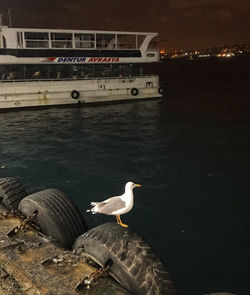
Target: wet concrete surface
32, 264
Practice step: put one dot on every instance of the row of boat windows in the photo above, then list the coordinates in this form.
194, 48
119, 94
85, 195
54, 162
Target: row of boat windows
77, 40
20, 72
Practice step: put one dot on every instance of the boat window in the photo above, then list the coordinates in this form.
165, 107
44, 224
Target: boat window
66, 71
126, 41
118, 71
107, 41
12, 72
61, 72
84, 41
152, 44
140, 39
35, 39
36, 72
61, 40
85, 71
129, 70
104, 70
107, 71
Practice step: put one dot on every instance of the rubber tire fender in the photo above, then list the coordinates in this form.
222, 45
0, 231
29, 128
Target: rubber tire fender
75, 94
135, 266
57, 216
11, 192
134, 91
161, 90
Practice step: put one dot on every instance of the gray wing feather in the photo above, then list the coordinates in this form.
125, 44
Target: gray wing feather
110, 205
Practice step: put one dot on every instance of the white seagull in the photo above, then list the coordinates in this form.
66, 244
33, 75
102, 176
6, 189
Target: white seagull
117, 205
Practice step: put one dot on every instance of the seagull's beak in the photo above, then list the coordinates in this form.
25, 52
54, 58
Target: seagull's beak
138, 185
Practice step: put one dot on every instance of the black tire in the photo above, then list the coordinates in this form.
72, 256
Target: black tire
11, 192
57, 216
75, 94
134, 91
162, 90
135, 266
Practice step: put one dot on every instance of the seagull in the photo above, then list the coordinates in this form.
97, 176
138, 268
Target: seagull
117, 205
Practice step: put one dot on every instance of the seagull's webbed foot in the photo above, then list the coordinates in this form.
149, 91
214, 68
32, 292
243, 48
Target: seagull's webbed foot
119, 221
123, 224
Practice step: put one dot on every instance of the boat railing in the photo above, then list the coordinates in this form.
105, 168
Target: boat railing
37, 43
122, 79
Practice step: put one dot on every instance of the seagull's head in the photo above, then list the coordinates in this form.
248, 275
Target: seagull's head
131, 185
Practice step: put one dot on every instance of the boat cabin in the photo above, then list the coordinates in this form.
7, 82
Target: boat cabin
69, 39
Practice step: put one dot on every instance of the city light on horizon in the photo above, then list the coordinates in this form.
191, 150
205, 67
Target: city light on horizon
219, 52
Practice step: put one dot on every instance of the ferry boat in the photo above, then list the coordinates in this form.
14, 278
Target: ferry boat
49, 67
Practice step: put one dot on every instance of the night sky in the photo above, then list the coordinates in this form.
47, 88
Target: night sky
182, 24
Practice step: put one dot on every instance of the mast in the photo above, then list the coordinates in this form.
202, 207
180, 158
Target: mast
9, 18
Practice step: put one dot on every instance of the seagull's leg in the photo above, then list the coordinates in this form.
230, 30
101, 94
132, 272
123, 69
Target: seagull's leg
120, 222
118, 219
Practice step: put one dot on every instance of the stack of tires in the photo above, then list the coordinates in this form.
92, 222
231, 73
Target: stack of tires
11, 192
134, 264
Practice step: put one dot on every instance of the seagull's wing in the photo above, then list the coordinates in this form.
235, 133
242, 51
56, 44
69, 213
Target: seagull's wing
110, 205
95, 203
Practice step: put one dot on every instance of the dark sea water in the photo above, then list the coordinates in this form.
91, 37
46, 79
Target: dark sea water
190, 151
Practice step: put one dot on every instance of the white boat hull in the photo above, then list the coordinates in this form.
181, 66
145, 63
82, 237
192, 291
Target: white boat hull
22, 94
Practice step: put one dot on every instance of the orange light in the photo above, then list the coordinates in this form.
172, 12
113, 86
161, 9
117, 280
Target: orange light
162, 51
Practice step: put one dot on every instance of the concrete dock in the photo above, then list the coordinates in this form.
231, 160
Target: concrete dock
33, 264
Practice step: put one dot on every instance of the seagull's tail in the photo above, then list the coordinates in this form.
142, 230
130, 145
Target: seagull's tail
93, 209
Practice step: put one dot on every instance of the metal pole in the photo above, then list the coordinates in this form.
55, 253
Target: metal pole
9, 18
